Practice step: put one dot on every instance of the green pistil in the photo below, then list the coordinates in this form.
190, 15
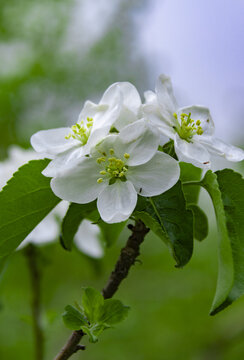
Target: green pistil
113, 168
187, 127
81, 131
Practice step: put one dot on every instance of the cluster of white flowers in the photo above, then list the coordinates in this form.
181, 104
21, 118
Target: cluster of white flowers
112, 153
87, 238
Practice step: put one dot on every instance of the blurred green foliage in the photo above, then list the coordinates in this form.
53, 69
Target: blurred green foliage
44, 77
169, 317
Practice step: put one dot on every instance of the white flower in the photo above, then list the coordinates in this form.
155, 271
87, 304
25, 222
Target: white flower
120, 167
119, 106
190, 127
48, 230
87, 239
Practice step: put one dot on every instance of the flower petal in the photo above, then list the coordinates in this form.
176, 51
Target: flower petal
125, 118
103, 148
130, 96
96, 136
193, 153
152, 113
156, 176
64, 161
166, 99
87, 239
199, 113
117, 202
90, 109
126, 95
140, 140
52, 141
220, 148
79, 185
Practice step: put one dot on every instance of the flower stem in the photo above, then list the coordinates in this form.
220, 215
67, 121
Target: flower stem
31, 254
126, 259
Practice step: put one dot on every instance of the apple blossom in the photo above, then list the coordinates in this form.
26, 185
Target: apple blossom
191, 127
119, 106
118, 168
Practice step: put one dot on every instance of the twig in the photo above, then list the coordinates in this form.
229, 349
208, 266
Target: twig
35, 278
126, 259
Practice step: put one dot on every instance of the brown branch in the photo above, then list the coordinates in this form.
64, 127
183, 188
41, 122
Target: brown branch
126, 259
35, 278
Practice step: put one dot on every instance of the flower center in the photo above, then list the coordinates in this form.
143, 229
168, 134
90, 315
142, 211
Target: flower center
81, 131
112, 168
187, 127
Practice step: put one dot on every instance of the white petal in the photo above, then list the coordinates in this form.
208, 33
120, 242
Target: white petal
63, 162
193, 153
128, 102
89, 110
104, 146
153, 114
111, 95
220, 148
125, 118
163, 128
166, 99
112, 98
156, 176
52, 141
140, 140
96, 136
79, 184
117, 202
131, 98
199, 113
87, 239
150, 97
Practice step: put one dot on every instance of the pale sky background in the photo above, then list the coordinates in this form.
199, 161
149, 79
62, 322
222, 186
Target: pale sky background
200, 45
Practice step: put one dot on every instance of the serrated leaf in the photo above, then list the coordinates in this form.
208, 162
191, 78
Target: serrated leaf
73, 318
74, 216
200, 222
189, 172
24, 202
113, 312
226, 189
92, 302
168, 217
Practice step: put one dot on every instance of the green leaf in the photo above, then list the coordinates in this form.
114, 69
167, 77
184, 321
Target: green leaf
94, 331
75, 214
113, 312
166, 215
111, 232
169, 149
73, 318
226, 189
200, 222
24, 202
78, 212
189, 172
92, 302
